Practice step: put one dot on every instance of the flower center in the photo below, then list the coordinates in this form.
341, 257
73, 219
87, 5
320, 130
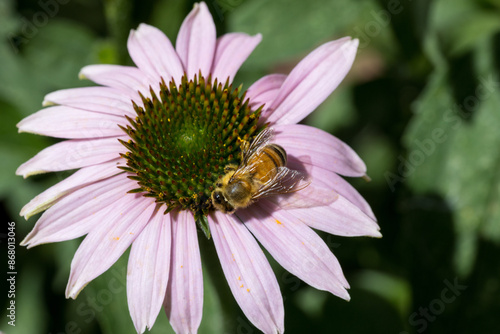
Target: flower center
181, 141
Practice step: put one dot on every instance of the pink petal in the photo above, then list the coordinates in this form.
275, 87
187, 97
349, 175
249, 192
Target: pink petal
98, 99
148, 270
340, 218
264, 91
230, 53
72, 154
312, 81
153, 53
184, 299
107, 241
250, 277
348, 192
296, 247
196, 41
67, 122
79, 212
332, 181
319, 148
79, 179
127, 79
310, 192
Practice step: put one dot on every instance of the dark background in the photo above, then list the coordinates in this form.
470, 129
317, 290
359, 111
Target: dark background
421, 106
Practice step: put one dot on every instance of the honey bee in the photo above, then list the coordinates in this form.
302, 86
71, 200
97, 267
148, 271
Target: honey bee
261, 173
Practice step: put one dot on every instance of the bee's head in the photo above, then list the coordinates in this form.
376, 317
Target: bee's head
236, 190
237, 193
220, 202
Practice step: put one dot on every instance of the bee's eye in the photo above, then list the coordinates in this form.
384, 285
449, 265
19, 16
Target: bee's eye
218, 184
218, 198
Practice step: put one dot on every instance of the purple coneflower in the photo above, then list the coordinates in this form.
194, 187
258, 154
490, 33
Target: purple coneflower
150, 143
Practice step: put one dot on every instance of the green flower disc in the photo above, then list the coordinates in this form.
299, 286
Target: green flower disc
181, 141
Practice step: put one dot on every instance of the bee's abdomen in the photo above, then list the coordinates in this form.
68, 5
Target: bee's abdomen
266, 163
277, 154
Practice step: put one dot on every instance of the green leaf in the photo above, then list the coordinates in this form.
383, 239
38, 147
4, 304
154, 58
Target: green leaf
202, 223
303, 26
476, 24
311, 301
46, 59
168, 16
118, 19
394, 289
56, 55
454, 152
378, 153
433, 115
337, 111
15, 74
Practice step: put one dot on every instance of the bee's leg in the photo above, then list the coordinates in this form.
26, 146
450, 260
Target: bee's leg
245, 145
230, 168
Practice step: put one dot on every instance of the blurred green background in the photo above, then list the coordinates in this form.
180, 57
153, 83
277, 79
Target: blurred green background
421, 106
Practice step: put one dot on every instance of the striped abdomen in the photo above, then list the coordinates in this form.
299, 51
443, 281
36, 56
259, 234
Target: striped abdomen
266, 161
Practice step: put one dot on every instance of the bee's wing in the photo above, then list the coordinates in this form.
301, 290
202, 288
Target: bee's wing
311, 196
260, 141
305, 193
285, 181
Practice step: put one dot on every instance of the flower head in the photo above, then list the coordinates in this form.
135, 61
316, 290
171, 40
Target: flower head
150, 144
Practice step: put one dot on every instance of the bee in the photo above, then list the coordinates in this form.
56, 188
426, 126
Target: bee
261, 173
